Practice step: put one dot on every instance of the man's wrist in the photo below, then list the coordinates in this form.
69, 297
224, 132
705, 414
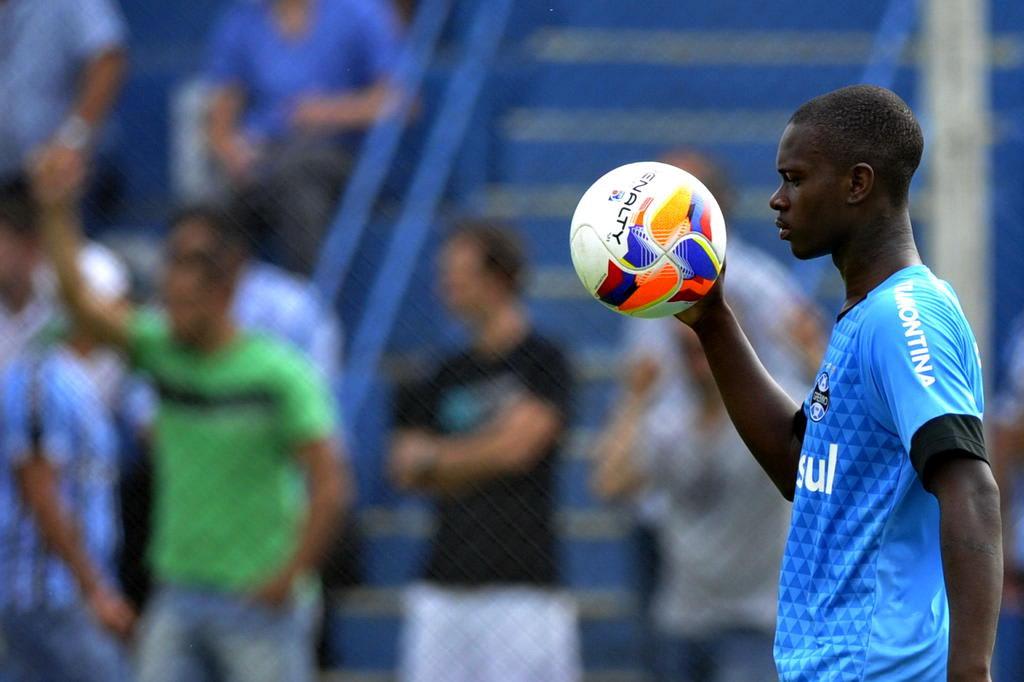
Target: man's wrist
293, 569
712, 320
426, 464
89, 585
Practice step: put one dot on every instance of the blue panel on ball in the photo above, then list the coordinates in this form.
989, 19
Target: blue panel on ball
696, 257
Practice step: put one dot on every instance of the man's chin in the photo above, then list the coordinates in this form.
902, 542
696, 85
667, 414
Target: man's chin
803, 252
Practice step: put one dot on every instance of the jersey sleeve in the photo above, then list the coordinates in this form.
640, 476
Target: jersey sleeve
95, 26
37, 418
307, 408
922, 370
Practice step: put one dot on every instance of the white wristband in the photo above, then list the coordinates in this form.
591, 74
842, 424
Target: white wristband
75, 133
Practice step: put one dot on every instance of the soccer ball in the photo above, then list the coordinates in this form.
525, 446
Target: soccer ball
648, 240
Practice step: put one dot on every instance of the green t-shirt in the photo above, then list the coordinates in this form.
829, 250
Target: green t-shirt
229, 494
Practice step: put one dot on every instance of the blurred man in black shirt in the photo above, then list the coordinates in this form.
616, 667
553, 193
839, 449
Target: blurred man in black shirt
482, 435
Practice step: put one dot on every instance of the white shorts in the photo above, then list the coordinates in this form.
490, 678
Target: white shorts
489, 634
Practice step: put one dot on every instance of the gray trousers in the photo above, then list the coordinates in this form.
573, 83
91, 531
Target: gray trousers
296, 195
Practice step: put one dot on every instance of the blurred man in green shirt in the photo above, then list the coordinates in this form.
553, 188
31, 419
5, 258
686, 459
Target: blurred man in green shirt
247, 483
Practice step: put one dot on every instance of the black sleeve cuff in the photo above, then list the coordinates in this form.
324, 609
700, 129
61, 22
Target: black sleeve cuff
800, 424
951, 435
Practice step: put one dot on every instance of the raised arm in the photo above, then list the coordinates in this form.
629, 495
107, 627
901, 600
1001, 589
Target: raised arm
57, 193
348, 111
763, 414
230, 147
970, 532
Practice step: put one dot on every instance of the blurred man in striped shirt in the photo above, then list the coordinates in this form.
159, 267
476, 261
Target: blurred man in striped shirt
60, 609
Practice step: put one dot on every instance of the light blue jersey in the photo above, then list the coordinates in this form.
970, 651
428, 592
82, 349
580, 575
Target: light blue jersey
861, 593
50, 408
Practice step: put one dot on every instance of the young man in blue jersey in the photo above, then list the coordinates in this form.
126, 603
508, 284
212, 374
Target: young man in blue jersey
893, 567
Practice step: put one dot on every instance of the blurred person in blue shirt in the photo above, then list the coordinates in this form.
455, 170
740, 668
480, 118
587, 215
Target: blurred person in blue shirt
60, 609
294, 83
61, 67
1009, 461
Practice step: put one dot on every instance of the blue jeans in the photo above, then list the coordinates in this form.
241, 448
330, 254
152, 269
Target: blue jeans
194, 635
731, 656
58, 645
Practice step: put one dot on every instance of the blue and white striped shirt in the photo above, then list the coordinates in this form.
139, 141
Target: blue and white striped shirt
50, 408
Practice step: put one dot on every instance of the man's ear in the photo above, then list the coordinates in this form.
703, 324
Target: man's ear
861, 182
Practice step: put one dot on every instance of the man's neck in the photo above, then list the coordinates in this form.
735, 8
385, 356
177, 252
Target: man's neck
219, 337
501, 331
875, 254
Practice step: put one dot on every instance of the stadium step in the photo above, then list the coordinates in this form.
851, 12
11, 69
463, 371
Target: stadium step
719, 15
365, 624
576, 146
681, 46
590, 676
591, 545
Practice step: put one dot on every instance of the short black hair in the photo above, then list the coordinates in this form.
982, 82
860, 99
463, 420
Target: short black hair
500, 245
867, 124
229, 245
17, 209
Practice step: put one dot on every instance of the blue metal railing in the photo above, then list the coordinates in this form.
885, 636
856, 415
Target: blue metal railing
890, 41
425, 192
378, 151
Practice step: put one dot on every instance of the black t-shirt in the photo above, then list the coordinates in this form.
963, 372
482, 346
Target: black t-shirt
500, 531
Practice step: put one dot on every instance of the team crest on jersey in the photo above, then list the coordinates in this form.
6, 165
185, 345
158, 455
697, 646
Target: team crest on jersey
820, 397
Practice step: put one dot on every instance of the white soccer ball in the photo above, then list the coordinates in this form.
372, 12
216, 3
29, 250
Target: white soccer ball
648, 239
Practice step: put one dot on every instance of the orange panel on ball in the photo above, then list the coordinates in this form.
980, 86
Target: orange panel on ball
672, 219
693, 289
652, 286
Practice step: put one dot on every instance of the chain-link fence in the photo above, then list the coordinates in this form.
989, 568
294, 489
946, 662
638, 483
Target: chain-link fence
540, 489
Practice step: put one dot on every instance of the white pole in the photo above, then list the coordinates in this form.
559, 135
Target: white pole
956, 70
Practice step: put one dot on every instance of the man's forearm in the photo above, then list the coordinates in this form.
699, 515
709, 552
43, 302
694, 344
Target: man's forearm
464, 461
328, 495
972, 561
759, 408
359, 109
56, 527
617, 474
59, 225
225, 108
106, 321
101, 84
